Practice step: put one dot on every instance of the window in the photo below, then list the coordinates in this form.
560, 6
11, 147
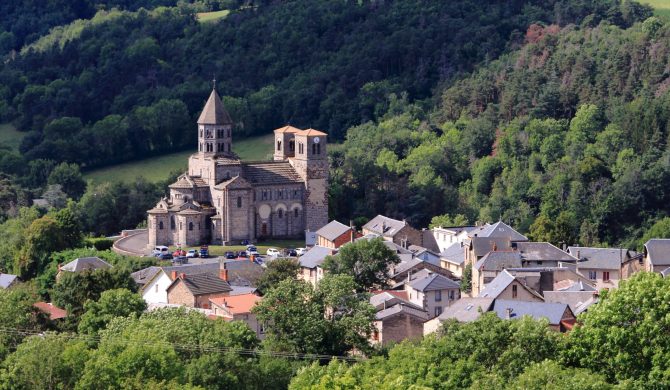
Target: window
438, 295
280, 213
200, 133
313, 148
160, 225
295, 213
190, 226
514, 292
593, 275
452, 295
279, 145
438, 311
318, 148
239, 201
301, 148
200, 148
156, 287
180, 226
291, 145
606, 276
172, 224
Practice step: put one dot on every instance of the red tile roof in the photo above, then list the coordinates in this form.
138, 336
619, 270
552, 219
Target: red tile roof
237, 304
55, 313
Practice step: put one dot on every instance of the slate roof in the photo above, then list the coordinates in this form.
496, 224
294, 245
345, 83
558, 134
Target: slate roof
143, 276
433, 282
239, 290
389, 298
484, 245
201, 284
85, 263
584, 306
400, 309
599, 258
457, 229
499, 260
577, 286
542, 251
333, 230
6, 280
243, 272
234, 182
659, 251
214, 112
315, 256
384, 225
454, 253
270, 172
406, 265
466, 309
551, 311
210, 267
500, 283
498, 230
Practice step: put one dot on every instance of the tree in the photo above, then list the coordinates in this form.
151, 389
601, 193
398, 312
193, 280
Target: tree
49, 361
367, 261
43, 237
549, 375
70, 179
112, 303
660, 229
278, 270
609, 338
331, 319
446, 220
466, 280
17, 312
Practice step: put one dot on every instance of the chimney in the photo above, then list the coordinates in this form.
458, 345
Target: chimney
173, 275
182, 276
495, 246
223, 274
508, 313
351, 224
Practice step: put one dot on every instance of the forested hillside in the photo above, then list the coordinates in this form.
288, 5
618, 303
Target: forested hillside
131, 83
565, 138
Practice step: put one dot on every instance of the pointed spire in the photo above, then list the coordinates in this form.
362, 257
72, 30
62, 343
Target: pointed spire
214, 112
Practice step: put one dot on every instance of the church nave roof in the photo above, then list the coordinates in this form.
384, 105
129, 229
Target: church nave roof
271, 172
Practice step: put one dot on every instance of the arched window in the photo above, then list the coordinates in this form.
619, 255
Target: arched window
291, 145
173, 226
279, 145
190, 226
160, 225
239, 201
181, 227
318, 148
313, 148
280, 213
295, 213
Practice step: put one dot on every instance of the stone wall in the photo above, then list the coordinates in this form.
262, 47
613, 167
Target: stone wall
180, 295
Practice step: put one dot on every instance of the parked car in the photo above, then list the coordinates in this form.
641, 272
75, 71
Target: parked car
192, 253
242, 254
165, 256
300, 251
159, 250
179, 252
230, 255
245, 242
204, 251
252, 250
272, 252
290, 252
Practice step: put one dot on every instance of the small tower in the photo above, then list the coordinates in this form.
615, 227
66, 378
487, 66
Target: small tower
215, 128
285, 142
311, 163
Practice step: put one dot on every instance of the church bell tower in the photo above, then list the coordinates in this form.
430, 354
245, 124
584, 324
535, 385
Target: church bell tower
215, 128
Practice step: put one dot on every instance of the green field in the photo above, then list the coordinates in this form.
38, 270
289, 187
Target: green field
662, 7
211, 16
158, 168
9, 136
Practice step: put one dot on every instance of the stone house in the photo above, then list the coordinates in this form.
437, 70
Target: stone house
433, 293
491, 265
197, 290
453, 257
507, 286
397, 323
399, 232
603, 266
657, 255
559, 315
335, 234
238, 308
310, 264
221, 199
83, 264
463, 310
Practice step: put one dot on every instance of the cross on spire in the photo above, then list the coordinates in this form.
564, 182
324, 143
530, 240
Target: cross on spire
214, 82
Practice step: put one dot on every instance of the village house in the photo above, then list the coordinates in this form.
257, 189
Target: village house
409, 268
221, 199
453, 258
83, 264
153, 282
507, 286
310, 264
197, 290
603, 266
433, 293
399, 232
447, 236
397, 323
238, 308
657, 255
54, 312
8, 280
559, 315
463, 310
335, 234
493, 263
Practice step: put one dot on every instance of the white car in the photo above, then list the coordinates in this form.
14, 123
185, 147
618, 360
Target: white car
300, 251
273, 252
192, 253
161, 250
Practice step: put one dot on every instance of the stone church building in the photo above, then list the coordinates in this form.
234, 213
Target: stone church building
223, 200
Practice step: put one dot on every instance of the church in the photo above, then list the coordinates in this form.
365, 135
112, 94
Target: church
222, 200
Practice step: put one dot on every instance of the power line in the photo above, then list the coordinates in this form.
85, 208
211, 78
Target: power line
185, 347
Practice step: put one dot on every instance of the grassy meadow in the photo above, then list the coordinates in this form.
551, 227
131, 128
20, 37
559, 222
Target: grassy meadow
212, 16
9, 136
158, 168
662, 7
